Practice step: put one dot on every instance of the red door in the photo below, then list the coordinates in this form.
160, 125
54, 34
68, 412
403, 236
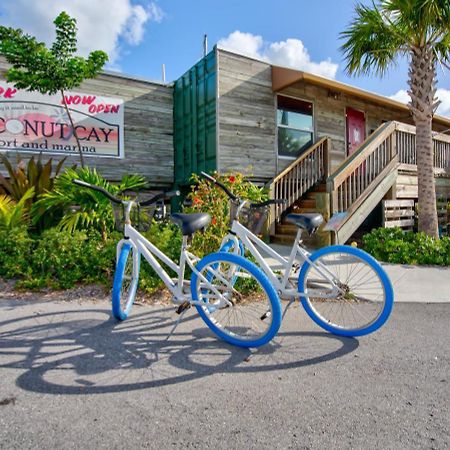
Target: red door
356, 129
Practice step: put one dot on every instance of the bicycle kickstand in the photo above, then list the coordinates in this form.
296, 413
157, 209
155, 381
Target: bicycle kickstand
181, 311
287, 306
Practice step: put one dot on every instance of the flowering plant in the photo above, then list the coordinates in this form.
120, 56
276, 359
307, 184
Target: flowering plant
207, 197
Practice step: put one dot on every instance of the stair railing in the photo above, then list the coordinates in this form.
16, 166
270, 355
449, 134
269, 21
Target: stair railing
361, 173
298, 177
406, 146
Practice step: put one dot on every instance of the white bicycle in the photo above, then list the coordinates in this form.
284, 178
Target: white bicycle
342, 288
231, 294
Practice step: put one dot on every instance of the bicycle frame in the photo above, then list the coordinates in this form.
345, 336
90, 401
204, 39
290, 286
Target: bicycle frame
281, 284
151, 253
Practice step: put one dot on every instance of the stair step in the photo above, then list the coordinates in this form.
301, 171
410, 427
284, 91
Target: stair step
306, 203
283, 239
299, 210
286, 228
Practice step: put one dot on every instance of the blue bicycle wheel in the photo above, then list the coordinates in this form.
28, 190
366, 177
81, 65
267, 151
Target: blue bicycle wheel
126, 280
239, 304
357, 302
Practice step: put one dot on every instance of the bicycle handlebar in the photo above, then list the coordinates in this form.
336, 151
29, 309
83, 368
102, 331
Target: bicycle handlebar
98, 189
118, 200
161, 196
234, 197
222, 186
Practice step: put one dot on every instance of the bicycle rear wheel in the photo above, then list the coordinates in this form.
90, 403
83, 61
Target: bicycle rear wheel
126, 280
360, 299
238, 302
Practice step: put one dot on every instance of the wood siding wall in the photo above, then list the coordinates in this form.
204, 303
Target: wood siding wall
330, 120
148, 128
246, 116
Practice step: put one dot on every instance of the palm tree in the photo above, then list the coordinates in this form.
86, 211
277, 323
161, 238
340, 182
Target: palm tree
420, 31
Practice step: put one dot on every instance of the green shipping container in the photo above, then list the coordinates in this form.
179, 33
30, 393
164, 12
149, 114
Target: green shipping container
195, 98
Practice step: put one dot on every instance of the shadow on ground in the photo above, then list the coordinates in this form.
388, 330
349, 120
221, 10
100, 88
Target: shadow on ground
87, 352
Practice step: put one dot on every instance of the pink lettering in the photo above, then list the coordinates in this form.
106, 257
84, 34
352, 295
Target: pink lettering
8, 92
103, 108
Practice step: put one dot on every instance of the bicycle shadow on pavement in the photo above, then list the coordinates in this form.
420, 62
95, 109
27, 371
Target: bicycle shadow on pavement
86, 352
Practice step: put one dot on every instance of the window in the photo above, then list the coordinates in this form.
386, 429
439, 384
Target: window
295, 126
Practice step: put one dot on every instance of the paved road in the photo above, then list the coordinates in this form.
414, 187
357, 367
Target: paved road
73, 378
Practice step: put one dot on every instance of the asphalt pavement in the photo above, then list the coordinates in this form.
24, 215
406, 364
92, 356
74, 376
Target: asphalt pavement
72, 377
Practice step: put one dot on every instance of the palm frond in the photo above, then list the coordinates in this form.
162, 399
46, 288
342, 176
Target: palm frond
372, 42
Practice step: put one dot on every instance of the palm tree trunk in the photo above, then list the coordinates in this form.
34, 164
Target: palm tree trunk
428, 222
422, 83
73, 129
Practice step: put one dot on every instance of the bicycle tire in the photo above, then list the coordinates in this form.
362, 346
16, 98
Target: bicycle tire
253, 317
126, 280
361, 307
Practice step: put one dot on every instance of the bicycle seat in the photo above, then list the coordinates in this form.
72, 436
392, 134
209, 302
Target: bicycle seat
309, 222
190, 223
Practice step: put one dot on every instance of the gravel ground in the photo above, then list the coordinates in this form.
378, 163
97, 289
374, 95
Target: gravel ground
71, 378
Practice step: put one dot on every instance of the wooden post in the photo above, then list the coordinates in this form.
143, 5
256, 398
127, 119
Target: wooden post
323, 207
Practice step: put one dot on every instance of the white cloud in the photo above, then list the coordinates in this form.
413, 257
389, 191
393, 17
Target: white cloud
291, 53
102, 24
442, 94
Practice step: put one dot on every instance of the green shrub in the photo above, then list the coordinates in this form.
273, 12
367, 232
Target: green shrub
16, 248
61, 259
395, 246
80, 208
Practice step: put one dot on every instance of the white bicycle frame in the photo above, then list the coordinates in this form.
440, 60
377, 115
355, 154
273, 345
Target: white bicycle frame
281, 283
151, 253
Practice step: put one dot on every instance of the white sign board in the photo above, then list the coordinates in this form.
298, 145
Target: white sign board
33, 122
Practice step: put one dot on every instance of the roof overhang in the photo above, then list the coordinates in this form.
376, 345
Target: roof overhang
282, 77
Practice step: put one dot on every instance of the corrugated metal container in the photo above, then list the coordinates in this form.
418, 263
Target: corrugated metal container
195, 96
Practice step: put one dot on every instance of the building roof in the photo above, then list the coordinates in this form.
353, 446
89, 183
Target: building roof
283, 77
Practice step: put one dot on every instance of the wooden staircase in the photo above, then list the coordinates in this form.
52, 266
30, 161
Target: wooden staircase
285, 232
351, 192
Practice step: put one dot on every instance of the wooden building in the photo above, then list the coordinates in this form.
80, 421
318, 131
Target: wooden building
321, 144
146, 126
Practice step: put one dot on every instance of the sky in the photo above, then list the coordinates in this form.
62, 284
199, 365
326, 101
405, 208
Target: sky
142, 35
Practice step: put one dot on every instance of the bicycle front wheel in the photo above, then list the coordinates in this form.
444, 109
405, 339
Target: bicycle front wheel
237, 301
125, 281
345, 291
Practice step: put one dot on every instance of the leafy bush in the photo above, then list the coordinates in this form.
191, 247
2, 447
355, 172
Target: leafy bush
208, 198
395, 246
81, 208
15, 250
61, 259
14, 214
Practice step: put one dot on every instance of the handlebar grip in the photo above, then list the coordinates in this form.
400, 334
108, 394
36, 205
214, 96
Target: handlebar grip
98, 189
277, 201
160, 197
218, 183
208, 177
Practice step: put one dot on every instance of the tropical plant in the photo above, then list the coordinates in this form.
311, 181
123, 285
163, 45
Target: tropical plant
25, 175
208, 198
81, 208
419, 30
14, 214
48, 71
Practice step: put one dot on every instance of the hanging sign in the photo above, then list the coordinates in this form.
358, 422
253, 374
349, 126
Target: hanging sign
33, 122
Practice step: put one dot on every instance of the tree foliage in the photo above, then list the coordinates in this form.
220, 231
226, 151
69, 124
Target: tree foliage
49, 70
419, 30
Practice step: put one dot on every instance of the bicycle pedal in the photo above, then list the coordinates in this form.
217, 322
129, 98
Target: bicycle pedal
183, 307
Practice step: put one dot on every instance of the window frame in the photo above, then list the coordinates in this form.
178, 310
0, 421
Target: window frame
313, 131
